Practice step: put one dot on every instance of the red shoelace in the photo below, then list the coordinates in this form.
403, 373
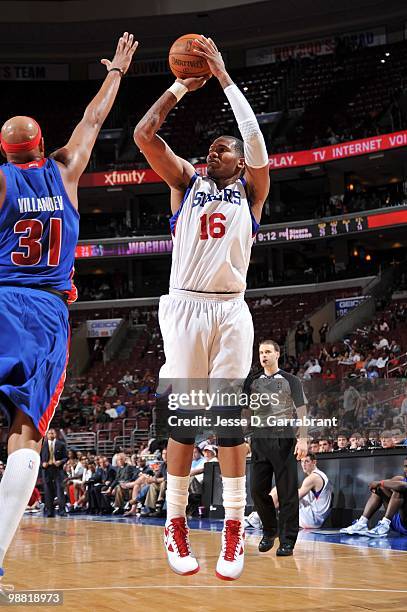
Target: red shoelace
179, 532
232, 539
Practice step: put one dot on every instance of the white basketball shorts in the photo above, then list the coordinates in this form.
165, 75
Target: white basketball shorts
205, 336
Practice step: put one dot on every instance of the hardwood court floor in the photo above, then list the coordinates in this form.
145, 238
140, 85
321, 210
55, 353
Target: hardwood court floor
120, 567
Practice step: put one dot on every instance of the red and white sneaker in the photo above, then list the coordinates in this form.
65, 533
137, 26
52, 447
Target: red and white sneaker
231, 559
176, 541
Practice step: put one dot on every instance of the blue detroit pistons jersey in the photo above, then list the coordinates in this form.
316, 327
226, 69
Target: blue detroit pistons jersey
213, 232
39, 229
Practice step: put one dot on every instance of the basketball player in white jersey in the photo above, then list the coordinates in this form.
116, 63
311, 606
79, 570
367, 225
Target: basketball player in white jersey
205, 323
314, 494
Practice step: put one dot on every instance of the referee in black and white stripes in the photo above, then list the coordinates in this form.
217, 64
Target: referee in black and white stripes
275, 448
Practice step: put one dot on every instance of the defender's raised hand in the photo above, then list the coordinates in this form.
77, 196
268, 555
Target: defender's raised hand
125, 50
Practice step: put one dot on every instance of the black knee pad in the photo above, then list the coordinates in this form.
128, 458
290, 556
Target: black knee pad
228, 428
229, 442
177, 437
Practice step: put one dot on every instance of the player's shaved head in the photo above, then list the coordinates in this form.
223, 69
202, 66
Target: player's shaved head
19, 129
21, 138
236, 143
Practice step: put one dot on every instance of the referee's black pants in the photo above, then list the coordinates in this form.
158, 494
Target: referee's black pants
276, 456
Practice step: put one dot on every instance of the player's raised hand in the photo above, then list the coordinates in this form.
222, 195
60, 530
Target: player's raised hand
205, 47
125, 50
194, 83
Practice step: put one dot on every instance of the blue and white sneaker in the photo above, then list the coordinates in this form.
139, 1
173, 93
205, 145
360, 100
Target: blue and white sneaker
4, 588
358, 527
380, 531
253, 521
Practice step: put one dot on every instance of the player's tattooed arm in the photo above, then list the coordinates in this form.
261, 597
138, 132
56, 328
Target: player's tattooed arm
174, 170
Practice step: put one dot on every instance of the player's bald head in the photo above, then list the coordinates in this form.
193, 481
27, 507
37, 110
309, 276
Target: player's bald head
21, 135
19, 129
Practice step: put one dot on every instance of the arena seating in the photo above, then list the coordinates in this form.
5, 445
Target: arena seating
340, 96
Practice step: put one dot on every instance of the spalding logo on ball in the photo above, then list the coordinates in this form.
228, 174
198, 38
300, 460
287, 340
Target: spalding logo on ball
184, 62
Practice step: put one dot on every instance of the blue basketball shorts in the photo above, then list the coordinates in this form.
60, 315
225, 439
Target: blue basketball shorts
398, 525
34, 348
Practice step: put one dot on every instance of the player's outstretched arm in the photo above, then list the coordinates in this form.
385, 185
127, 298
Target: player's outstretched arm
256, 157
76, 153
174, 170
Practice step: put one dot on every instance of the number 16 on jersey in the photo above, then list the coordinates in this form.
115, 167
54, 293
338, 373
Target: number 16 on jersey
213, 226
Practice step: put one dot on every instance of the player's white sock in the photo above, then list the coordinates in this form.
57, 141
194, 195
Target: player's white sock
363, 520
234, 497
386, 520
16, 488
176, 495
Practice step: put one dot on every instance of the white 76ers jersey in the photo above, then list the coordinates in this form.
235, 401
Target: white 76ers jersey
213, 232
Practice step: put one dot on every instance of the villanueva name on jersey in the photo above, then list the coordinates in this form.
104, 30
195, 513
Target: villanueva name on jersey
48, 204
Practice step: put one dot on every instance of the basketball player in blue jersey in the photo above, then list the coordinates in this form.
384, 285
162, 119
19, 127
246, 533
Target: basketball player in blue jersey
39, 226
205, 322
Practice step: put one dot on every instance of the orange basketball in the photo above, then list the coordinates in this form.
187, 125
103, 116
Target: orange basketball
184, 63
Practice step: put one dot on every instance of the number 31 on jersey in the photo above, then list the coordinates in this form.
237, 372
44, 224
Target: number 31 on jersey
31, 242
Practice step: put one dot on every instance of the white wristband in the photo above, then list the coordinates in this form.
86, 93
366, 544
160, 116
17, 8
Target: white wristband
178, 89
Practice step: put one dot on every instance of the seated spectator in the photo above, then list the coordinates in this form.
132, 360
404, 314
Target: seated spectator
83, 501
383, 343
110, 391
126, 378
362, 443
104, 475
117, 410
342, 442
124, 474
355, 356
386, 439
361, 364
354, 441
399, 439
312, 367
197, 473
345, 359
74, 476
314, 447
197, 459
88, 391
392, 495
155, 498
143, 478
374, 440
394, 347
325, 446
382, 362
